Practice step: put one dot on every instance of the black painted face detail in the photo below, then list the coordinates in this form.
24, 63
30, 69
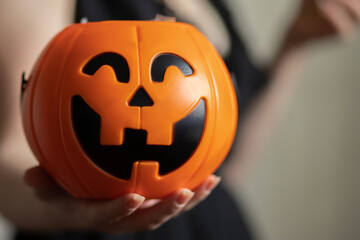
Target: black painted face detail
163, 61
114, 60
118, 160
141, 99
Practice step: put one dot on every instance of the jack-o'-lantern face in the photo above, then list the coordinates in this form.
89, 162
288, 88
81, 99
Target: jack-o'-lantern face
167, 137
144, 107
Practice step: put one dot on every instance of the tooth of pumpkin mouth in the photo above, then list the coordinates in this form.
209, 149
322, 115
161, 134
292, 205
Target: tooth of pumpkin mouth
112, 129
146, 169
158, 133
160, 136
154, 136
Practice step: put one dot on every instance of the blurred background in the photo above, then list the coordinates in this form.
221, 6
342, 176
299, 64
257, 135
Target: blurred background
305, 184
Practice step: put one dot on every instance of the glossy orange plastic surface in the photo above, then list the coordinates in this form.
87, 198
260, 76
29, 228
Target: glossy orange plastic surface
57, 77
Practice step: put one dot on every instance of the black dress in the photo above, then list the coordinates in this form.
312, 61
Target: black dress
218, 217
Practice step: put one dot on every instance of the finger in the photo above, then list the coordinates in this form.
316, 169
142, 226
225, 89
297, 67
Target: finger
44, 185
149, 203
86, 213
339, 17
96, 214
152, 218
202, 191
37, 178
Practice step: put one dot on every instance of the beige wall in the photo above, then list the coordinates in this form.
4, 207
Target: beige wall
306, 185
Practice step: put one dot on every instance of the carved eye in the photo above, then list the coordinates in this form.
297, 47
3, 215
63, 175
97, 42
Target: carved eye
114, 60
163, 61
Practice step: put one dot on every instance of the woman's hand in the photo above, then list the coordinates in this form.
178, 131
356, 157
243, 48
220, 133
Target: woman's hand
324, 18
128, 213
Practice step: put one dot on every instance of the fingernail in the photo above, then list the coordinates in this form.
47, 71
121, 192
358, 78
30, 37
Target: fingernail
212, 183
135, 201
184, 196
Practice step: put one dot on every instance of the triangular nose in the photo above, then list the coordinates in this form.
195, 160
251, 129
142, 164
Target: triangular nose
141, 99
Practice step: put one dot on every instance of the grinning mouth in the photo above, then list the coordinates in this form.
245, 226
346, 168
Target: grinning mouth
118, 160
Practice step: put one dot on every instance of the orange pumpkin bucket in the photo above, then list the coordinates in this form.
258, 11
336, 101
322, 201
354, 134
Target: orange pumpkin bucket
129, 106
